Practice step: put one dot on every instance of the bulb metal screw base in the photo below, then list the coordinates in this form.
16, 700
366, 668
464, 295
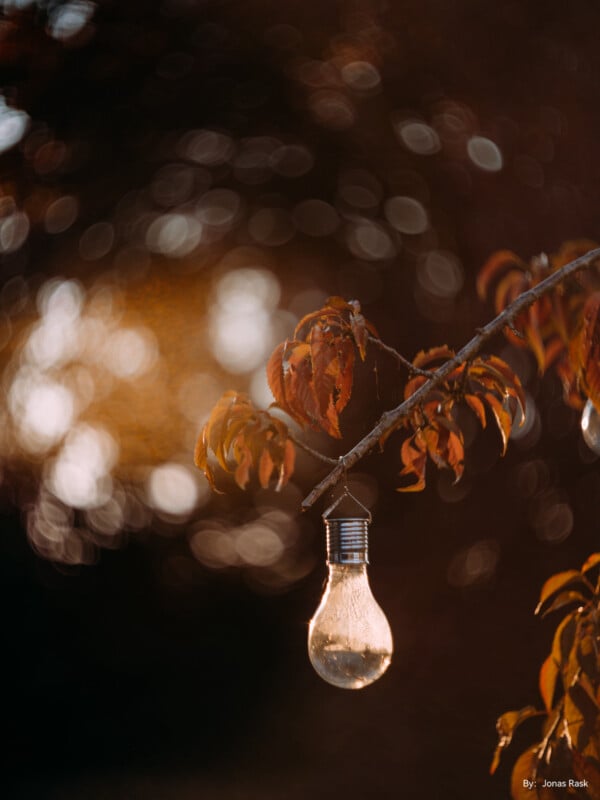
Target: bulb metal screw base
347, 540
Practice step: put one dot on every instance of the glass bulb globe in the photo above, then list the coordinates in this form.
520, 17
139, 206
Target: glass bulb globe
590, 426
349, 640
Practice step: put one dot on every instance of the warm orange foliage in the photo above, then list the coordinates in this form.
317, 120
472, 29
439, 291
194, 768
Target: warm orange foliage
240, 437
486, 381
311, 378
569, 683
561, 329
311, 374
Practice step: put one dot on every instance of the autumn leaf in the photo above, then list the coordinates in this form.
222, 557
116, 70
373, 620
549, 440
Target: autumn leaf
502, 417
506, 726
526, 782
477, 407
425, 358
286, 468
414, 457
591, 561
242, 438
509, 288
499, 370
276, 376
311, 375
498, 264
556, 583
547, 681
589, 349
581, 711
360, 332
564, 636
534, 337
266, 466
570, 250
563, 599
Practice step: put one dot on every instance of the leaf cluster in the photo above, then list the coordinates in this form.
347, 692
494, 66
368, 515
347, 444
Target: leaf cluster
562, 328
311, 377
311, 374
569, 683
486, 382
240, 438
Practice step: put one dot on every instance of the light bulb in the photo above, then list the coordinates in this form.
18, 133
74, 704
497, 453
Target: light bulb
349, 639
590, 426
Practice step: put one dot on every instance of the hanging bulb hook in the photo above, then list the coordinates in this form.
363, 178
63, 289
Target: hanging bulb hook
346, 493
347, 536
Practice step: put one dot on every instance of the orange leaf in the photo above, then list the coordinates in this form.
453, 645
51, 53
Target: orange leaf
345, 375
591, 562
564, 599
523, 783
510, 380
414, 459
556, 583
496, 265
425, 357
534, 337
477, 407
502, 417
246, 437
506, 726
571, 250
286, 469
242, 473
547, 681
298, 386
276, 376
455, 455
589, 349
323, 357
339, 304
360, 333
265, 468
413, 384
509, 288
217, 425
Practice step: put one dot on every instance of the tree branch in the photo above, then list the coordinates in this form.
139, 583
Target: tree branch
390, 419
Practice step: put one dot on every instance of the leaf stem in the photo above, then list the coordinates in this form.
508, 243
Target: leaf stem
314, 453
426, 373
390, 419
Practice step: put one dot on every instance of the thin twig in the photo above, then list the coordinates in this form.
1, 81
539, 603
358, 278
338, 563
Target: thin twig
314, 453
426, 373
390, 419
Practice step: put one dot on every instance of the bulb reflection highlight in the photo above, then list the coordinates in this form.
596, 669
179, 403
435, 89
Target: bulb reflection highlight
590, 427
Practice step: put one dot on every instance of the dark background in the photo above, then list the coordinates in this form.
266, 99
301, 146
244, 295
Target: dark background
120, 684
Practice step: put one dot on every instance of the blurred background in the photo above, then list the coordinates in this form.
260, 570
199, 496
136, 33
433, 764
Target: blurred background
179, 183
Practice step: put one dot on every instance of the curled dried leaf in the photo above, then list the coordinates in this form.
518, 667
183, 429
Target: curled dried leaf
311, 375
240, 439
497, 265
557, 582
